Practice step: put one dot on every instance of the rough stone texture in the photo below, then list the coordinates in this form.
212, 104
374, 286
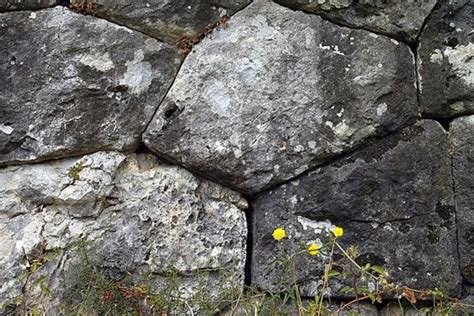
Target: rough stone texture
139, 215
462, 142
446, 60
393, 198
168, 20
278, 92
399, 19
71, 84
8, 5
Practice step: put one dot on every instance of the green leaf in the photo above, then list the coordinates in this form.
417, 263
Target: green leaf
378, 269
346, 290
35, 311
34, 267
372, 297
333, 273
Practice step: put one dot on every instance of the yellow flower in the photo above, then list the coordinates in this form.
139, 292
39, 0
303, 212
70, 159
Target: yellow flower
279, 234
338, 231
313, 249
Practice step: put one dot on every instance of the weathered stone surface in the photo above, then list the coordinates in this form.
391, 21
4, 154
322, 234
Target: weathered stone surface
446, 60
7, 5
72, 84
399, 19
169, 20
394, 200
462, 142
278, 92
140, 216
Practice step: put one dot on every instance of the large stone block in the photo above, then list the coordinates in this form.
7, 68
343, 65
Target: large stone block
278, 92
139, 216
462, 142
168, 20
446, 60
394, 200
399, 19
73, 84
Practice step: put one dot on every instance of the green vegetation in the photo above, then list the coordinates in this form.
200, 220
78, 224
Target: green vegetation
94, 289
76, 170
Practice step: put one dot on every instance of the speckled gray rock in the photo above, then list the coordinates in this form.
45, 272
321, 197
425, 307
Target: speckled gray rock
394, 200
72, 84
278, 92
168, 20
8, 5
399, 19
446, 60
462, 142
139, 215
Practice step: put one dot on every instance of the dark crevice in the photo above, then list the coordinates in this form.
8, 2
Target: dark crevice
64, 3
164, 96
248, 260
445, 121
142, 149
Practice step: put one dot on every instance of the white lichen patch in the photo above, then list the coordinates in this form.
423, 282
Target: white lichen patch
437, 57
219, 99
6, 129
332, 48
138, 75
458, 107
318, 227
342, 130
381, 109
461, 59
98, 61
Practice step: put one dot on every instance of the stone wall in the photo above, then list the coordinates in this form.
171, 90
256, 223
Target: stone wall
156, 131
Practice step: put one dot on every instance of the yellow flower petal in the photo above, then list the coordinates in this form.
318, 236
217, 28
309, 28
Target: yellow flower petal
313, 249
338, 231
279, 234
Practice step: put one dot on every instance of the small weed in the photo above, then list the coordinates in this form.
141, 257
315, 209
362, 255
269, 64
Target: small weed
76, 170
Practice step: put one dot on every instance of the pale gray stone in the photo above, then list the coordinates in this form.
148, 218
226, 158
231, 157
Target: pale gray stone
139, 216
462, 142
73, 84
394, 200
398, 19
279, 92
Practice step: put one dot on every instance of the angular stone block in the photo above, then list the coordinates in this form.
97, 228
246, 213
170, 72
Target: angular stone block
168, 20
138, 215
278, 92
394, 200
73, 84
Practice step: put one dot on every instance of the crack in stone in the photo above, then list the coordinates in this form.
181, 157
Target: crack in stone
353, 27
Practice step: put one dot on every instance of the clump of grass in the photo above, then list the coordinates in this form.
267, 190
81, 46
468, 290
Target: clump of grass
94, 289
